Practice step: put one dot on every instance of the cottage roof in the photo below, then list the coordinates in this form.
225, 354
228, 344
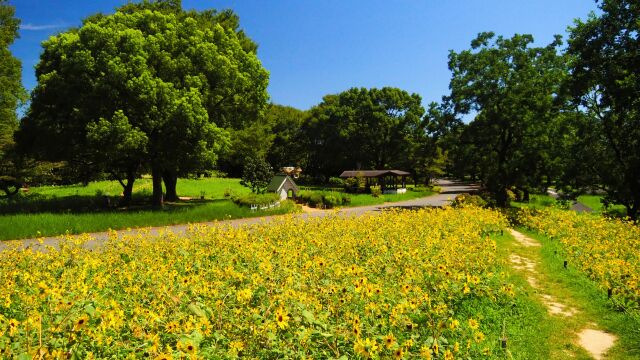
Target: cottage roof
281, 181
373, 173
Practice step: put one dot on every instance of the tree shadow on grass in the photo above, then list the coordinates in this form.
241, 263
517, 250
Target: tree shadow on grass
82, 204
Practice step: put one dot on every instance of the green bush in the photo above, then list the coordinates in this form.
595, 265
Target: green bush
331, 200
563, 204
518, 193
255, 199
351, 184
464, 200
376, 191
336, 182
315, 200
326, 200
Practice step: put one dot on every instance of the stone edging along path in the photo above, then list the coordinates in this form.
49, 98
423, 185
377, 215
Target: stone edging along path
595, 342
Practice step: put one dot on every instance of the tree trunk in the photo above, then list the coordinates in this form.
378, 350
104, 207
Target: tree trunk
502, 199
632, 212
526, 195
128, 189
157, 198
170, 181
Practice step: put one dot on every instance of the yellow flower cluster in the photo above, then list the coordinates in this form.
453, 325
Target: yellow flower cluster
607, 250
396, 284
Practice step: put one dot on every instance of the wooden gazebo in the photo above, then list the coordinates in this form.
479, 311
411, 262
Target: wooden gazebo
390, 181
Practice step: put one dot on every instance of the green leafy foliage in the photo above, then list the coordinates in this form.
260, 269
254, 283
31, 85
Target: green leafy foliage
511, 86
364, 128
11, 91
336, 182
257, 174
255, 199
605, 54
324, 199
465, 200
287, 147
151, 86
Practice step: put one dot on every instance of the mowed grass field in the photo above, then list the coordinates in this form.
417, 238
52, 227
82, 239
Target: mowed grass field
213, 188
74, 209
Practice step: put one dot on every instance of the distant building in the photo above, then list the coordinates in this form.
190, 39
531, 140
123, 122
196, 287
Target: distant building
284, 186
291, 171
390, 181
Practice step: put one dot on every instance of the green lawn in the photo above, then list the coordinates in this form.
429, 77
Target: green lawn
213, 188
595, 203
367, 199
56, 210
20, 226
540, 201
536, 201
74, 209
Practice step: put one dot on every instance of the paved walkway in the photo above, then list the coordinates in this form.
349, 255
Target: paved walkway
449, 191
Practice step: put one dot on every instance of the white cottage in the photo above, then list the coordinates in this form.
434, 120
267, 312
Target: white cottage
283, 185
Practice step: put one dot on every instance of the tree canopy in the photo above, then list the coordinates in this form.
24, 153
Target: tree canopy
511, 88
151, 86
364, 128
605, 57
11, 90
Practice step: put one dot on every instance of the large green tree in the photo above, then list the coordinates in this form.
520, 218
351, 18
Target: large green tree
362, 129
11, 90
431, 158
287, 147
605, 82
511, 87
277, 137
149, 87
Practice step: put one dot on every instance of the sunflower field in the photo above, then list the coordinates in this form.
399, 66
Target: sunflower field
607, 250
399, 284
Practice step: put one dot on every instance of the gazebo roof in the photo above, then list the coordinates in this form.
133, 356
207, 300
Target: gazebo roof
373, 173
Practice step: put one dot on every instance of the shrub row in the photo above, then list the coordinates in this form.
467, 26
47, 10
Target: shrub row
322, 199
255, 199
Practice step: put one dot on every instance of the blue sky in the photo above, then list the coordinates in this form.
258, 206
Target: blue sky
314, 48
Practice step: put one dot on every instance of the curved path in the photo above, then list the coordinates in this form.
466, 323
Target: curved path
449, 191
